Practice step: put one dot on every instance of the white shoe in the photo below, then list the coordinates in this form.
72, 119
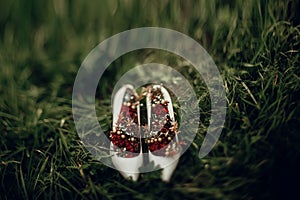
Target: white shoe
162, 139
126, 146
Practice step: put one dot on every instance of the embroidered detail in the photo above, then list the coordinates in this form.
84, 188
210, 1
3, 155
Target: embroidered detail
162, 129
125, 133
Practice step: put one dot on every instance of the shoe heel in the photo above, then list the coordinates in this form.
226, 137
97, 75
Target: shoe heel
128, 167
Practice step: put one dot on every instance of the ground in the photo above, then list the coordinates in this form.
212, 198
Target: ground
255, 45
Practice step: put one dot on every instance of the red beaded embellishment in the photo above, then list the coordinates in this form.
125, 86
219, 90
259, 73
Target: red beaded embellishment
163, 129
126, 129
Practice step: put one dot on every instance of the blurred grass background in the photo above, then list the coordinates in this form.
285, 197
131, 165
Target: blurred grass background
255, 44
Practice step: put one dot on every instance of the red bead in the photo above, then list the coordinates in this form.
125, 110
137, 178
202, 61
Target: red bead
163, 130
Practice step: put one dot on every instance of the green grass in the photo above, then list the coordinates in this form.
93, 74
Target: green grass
255, 44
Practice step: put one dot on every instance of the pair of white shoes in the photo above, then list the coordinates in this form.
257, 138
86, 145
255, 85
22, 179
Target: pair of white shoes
160, 132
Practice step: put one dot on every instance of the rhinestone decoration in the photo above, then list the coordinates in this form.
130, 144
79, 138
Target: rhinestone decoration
163, 129
126, 129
